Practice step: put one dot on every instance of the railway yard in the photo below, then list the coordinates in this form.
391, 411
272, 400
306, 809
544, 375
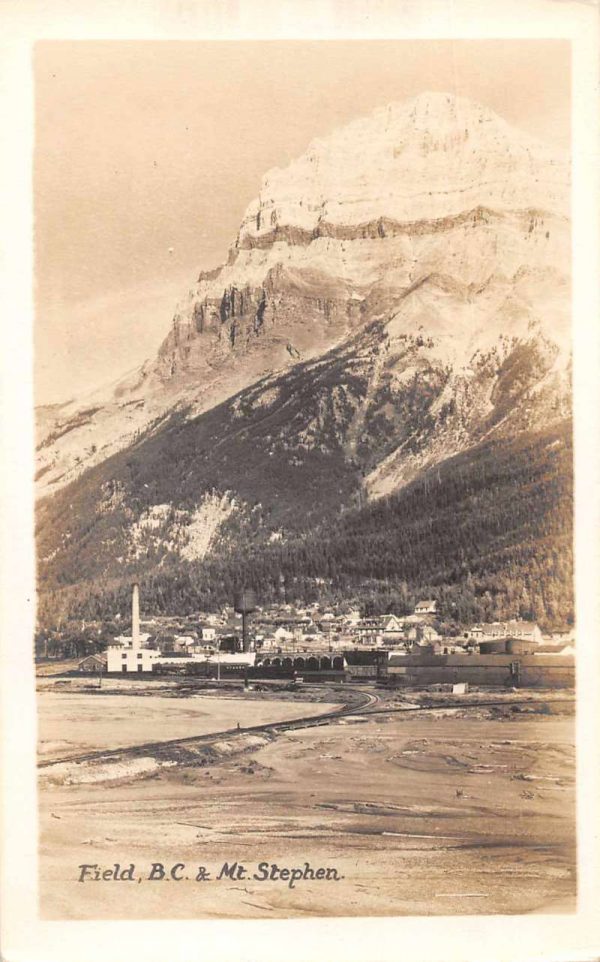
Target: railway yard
295, 801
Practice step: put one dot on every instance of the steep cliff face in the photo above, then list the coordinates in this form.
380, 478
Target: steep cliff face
287, 476
435, 186
432, 157
433, 216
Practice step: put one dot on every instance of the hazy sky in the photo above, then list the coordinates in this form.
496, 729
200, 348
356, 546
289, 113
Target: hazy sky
146, 146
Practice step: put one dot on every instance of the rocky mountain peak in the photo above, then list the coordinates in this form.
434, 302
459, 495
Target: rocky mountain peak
430, 157
433, 217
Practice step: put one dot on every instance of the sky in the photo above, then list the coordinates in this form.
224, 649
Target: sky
147, 154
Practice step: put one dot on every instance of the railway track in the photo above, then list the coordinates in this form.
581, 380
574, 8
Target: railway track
368, 701
368, 704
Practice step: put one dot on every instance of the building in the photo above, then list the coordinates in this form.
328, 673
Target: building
207, 633
392, 631
183, 642
523, 630
222, 659
502, 669
131, 657
368, 631
454, 646
427, 607
414, 620
421, 632
93, 663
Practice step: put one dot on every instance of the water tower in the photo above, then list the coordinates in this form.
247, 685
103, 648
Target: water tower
245, 603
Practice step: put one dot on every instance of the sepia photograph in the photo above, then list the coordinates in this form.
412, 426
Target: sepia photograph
299, 553
305, 636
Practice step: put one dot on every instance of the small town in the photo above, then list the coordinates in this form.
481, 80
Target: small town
310, 732
304, 582
326, 643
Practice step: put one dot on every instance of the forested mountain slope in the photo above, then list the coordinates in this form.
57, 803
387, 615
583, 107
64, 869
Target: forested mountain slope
374, 387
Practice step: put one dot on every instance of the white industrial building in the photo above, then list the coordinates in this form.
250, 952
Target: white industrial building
127, 654
131, 659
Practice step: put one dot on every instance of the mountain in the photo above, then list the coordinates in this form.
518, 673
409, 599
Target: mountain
396, 298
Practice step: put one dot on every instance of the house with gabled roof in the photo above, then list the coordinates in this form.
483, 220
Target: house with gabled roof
93, 663
426, 607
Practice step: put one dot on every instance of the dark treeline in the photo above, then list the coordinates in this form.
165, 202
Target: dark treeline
487, 533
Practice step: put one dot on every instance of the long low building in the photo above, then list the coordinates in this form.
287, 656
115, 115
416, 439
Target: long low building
306, 662
502, 670
224, 658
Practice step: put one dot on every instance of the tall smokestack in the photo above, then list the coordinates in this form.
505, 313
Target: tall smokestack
135, 616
